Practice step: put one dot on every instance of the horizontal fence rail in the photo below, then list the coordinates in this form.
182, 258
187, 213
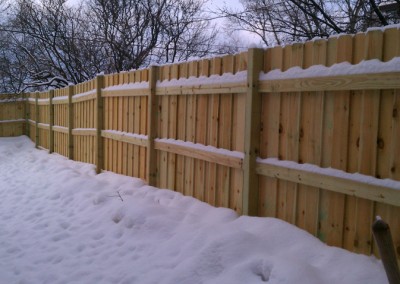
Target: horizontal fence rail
308, 133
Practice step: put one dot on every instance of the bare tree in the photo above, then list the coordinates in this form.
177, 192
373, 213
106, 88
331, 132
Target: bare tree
277, 22
137, 33
185, 32
51, 44
128, 30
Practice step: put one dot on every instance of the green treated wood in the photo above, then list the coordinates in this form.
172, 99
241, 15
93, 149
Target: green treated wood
99, 144
51, 121
152, 122
70, 123
252, 133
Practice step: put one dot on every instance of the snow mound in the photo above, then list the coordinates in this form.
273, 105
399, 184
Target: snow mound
62, 223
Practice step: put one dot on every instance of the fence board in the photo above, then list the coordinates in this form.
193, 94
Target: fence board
237, 144
270, 133
388, 139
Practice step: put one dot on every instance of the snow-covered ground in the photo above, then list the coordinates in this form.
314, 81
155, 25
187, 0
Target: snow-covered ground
61, 223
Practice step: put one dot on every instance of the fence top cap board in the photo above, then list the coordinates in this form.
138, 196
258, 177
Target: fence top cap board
340, 69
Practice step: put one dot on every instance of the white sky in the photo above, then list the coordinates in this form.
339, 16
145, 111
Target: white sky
246, 38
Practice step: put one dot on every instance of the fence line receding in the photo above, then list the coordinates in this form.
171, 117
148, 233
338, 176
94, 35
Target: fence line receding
234, 132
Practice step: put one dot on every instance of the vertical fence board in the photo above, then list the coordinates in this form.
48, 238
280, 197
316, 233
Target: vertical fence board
213, 129
172, 130
238, 130
287, 194
389, 139
144, 76
201, 134
163, 127
368, 147
354, 149
225, 136
270, 136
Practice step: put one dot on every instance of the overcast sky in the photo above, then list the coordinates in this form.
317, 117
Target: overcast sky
247, 38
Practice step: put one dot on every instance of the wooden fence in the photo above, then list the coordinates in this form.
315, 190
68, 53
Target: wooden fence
12, 115
279, 132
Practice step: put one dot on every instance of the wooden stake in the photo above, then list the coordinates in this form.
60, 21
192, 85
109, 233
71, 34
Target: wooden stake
99, 148
384, 240
152, 121
252, 133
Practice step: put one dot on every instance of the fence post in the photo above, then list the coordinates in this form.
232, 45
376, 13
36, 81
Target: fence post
152, 120
27, 114
51, 122
252, 132
37, 119
70, 122
99, 147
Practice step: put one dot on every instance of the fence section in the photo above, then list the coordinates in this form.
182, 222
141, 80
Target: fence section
354, 127
84, 122
207, 116
12, 115
125, 122
291, 132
